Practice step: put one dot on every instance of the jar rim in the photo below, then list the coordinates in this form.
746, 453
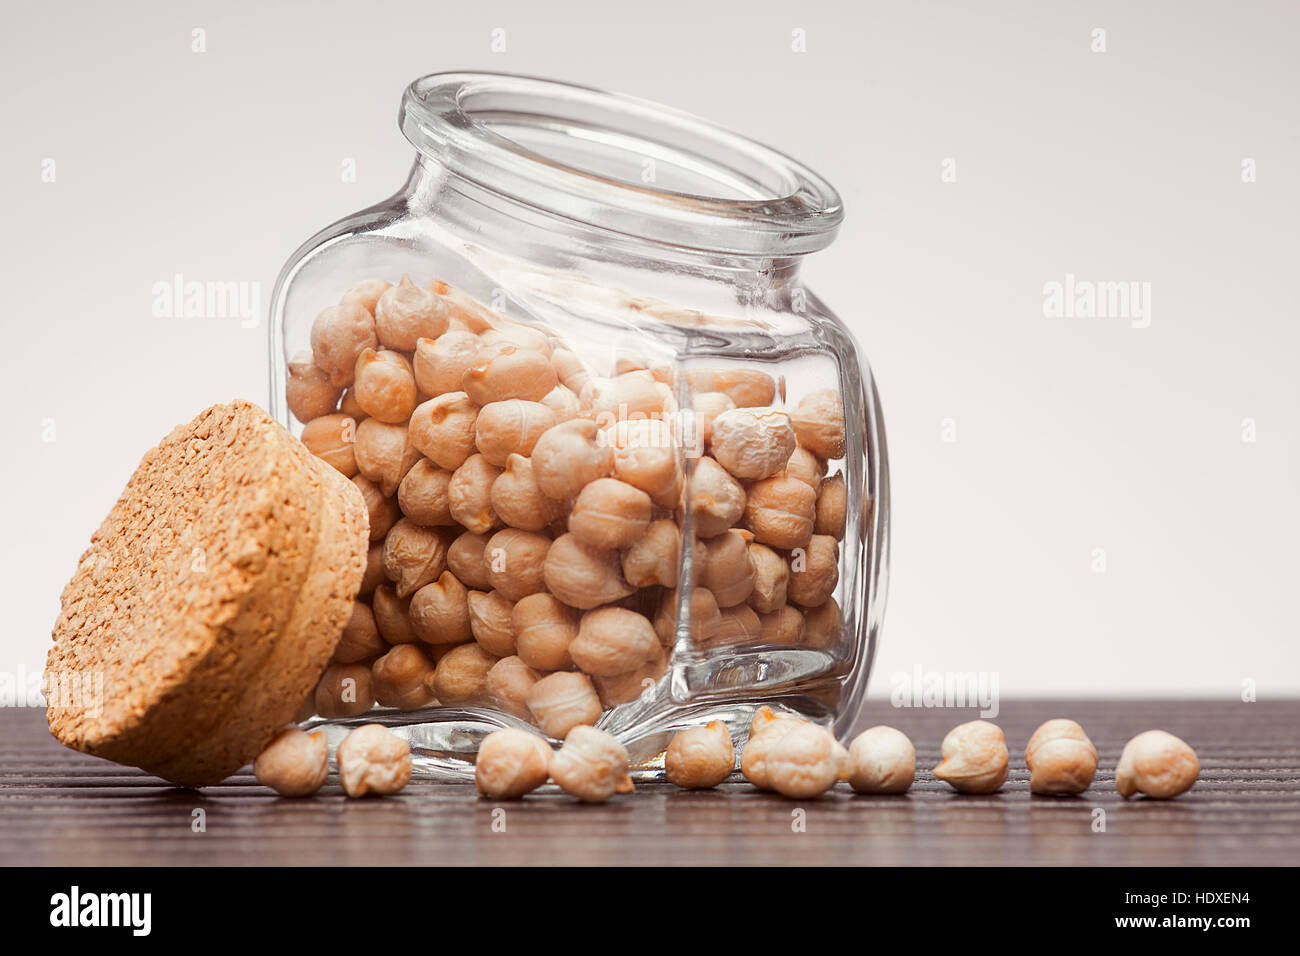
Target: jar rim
783, 208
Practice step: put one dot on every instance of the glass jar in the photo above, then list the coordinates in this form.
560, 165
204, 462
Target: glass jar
599, 302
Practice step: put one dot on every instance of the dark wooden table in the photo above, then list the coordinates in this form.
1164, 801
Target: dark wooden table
60, 807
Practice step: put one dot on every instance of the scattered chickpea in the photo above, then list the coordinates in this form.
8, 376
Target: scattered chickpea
461, 677
517, 499
405, 313
591, 765
469, 494
344, 690
752, 443
974, 758
700, 757
654, 558
765, 727
804, 762
440, 611
882, 760
717, 500
361, 639
563, 700
442, 429
373, 760
814, 571
508, 682
511, 763
832, 507
333, 439
779, 511
413, 556
489, 621
366, 294
728, 571
440, 364
570, 456
392, 615
338, 336
819, 422
422, 495
613, 640
1060, 757
511, 373
610, 514
465, 560
543, 629
382, 509
308, 391
582, 576
1157, 764
294, 763
384, 453
399, 676
510, 428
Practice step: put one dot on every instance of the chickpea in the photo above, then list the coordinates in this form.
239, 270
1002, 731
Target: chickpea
832, 507
308, 390
489, 620
517, 499
654, 558
373, 759
771, 577
766, 727
630, 396
338, 336
543, 629
519, 335
413, 556
399, 678
1157, 764
405, 313
782, 626
1060, 758
511, 763
734, 627
464, 309
508, 684
647, 456
469, 494
332, 438
384, 453
728, 571
717, 500
747, 388
819, 423
804, 762
374, 573
442, 429
752, 443
615, 689
779, 512
461, 677
703, 617
360, 638
344, 690
582, 576
422, 495
707, 406
974, 758
348, 405
807, 467
384, 386
441, 363
465, 560
563, 700
511, 373
570, 456
570, 370
814, 571
612, 640
510, 428
293, 764
881, 760
610, 514
591, 765
382, 511
563, 403
440, 611
366, 294
823, 626
515, 561
393, 616
700, 757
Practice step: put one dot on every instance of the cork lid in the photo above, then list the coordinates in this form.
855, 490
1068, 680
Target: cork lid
209, 601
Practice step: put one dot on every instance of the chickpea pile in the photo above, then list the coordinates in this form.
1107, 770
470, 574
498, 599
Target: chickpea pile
527, 509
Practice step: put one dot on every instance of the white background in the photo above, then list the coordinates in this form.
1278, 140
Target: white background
1071, 435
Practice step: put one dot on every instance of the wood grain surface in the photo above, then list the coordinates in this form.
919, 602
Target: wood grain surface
60, 807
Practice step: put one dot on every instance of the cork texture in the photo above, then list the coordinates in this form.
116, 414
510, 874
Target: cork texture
209, 600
